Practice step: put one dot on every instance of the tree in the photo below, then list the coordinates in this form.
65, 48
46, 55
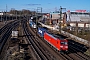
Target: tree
22, 12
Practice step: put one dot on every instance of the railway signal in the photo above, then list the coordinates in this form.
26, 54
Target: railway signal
60, 18
39, 9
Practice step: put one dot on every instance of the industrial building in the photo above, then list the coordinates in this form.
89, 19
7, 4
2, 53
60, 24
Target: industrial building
79, 18
78, 15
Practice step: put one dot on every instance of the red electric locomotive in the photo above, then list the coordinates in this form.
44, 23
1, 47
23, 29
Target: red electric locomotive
59, 43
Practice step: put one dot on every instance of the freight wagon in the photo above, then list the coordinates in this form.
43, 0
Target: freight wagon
32, 24
57, 42
41, 31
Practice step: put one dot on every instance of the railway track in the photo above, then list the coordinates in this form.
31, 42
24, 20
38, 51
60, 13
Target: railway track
73, 56
56, 55
3, 29
37, 48
78, 52
31, 48
5, 34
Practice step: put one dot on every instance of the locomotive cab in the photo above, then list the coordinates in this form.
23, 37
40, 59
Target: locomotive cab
34, 25
64, 45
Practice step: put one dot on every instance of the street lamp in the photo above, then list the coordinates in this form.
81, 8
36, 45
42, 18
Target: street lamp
6, 14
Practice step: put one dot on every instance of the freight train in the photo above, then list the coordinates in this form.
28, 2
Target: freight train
59, 43
56, 41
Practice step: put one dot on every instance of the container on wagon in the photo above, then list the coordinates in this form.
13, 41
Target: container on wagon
41, 31
14, 34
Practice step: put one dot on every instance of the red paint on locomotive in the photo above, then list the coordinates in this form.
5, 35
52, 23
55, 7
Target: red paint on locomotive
57, 43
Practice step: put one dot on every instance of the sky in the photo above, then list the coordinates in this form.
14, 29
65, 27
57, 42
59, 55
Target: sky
47, 5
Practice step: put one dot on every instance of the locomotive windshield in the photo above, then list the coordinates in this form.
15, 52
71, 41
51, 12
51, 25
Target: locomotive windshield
64, 43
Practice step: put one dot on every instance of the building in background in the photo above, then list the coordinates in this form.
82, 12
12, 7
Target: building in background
78, 15
55, 17
78, 18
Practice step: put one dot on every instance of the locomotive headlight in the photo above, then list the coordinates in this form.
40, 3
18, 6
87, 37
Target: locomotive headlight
61, 46
66, 46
